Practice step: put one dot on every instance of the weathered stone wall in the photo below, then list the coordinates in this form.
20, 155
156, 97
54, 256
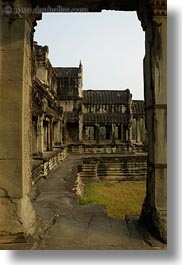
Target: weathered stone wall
44, 166
15, 116
118, 168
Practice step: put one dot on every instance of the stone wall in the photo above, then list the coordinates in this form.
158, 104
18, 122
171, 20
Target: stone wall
44, 166
114, 168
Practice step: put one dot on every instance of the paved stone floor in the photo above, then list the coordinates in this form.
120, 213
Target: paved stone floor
77, 226
64, 224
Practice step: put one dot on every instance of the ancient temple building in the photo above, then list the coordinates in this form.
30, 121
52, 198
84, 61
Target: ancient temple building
46, 110
96, 116
69, 93
84, 121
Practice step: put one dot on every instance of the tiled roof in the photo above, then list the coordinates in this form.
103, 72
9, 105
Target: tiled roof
71, 116
104, 118
66, 71
138, 107
105, 97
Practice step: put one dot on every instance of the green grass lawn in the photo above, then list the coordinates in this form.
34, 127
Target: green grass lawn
120, 198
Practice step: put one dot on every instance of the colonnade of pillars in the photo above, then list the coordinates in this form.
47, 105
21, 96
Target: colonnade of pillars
46, 133
94, 133
140, 130
123, 133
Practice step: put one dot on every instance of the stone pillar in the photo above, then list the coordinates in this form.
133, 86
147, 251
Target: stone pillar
16, 212
97, 137
48, 136
108, 132
113, 134
154, 22
58, 132
80, 136
138, 136
130, 133
126, 135
61, 133
142, 126
51, 135
122, 133
40, 136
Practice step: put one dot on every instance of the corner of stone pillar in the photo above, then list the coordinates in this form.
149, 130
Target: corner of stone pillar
17, 214
155, 221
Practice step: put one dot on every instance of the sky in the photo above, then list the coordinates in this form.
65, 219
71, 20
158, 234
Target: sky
110, 44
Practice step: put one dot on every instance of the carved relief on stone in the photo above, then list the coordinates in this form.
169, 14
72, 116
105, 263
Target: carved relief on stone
44, 104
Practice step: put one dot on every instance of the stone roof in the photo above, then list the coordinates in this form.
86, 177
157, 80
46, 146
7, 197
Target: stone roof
94, 97
104, 118
66, 71
71, 116
138, 107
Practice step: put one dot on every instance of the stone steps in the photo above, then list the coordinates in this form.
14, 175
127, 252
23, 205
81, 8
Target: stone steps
116, 168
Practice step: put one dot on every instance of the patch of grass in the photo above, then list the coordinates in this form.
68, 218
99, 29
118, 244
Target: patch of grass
120, 198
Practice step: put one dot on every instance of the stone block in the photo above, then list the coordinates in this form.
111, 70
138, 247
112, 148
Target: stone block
10, 177
160, 132
9, 222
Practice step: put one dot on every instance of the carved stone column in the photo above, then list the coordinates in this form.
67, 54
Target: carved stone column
97, 131
130, 133
40, 136
154, 21
80, 137
58, 132
113, 133
16, 212
122, 133
51, 135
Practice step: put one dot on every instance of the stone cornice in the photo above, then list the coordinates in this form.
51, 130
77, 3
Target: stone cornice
159, 7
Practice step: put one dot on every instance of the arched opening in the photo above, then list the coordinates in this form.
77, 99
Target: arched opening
16, 116
101, 98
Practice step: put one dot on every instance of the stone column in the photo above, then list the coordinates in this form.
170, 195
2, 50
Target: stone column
126, 135
130, 133
49, 134
16, 212
154, 22
142, 126
97, 129
58, 132
138, 136
40, 136
113, 134
122, 133
80, 137
108, 132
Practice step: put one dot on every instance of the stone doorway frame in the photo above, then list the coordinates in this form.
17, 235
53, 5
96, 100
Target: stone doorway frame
16, 43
